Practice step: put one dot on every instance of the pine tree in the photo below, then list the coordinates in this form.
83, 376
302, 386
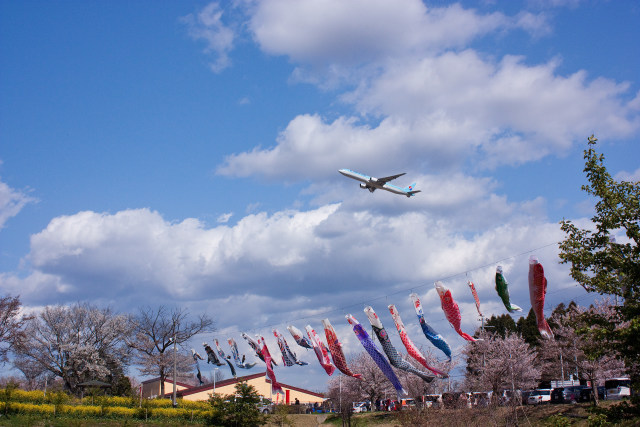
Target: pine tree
527, 327
501, 325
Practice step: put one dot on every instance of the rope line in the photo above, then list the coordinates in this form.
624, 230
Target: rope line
405, 290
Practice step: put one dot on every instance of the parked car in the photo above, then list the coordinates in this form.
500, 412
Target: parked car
509, 396
407, 404
481, 399
266, 408
390, 405
570, 394
586, 394
618, 388
525, 396
454, 399
433, 401
539, 396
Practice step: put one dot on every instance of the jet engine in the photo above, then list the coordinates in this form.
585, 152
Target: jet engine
365, 186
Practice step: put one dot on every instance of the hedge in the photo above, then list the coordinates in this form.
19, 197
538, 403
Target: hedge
30, 408
81, 411
59, 403
93, 411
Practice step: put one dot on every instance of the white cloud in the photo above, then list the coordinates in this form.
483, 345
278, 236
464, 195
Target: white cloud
556, 3
11, 202
292, 253
437, 108
348, 33
224, 218
438, 112
207, 25
520, 112
628, 176
138, 248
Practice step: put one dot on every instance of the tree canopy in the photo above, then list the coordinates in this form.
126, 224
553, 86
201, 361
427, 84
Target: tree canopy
601, 263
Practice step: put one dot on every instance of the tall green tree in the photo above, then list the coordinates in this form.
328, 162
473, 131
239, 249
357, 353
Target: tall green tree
239, 409
501, 325
600, 264
528, 328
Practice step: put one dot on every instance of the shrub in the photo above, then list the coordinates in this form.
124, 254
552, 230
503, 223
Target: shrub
558, 421
194, 405
31, 409
236, 409
57, 398
35, 396
169, 412
143, 413
80, 411
160, 403
597, 420
121, 412
126, 402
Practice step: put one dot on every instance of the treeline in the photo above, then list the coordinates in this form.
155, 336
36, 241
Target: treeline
80, 343
514, 354
508, 355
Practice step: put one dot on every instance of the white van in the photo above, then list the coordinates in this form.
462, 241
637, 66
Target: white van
618, 388
539, 396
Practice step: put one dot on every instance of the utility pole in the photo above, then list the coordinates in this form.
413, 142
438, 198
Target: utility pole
340, 399
175, 367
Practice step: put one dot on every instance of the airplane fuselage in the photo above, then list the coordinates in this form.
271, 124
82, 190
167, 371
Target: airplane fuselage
370, 183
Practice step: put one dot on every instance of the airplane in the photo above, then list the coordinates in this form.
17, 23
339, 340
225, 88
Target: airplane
372, 183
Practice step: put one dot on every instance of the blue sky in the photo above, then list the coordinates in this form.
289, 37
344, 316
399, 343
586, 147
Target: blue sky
187, 153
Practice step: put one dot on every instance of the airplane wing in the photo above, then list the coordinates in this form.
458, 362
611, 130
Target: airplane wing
389, 178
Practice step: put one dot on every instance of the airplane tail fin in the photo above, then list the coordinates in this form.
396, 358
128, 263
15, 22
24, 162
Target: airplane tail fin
410, 190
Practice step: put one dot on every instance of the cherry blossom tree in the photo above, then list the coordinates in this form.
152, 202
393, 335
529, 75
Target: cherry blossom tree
578, 339
76, 343
498, 363
11, 325
373, 386
415, 386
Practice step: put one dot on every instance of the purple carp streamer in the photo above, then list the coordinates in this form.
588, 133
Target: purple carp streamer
240, 362
224, 357
502, 287
321, 351
267, 359
375, 354
409, 345
475, 296
289, 358
299, 337
435, 338
537, 293
451, 310
392, 354
336, 350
